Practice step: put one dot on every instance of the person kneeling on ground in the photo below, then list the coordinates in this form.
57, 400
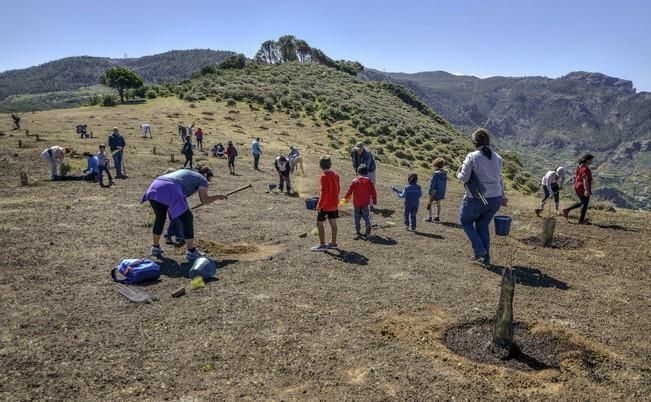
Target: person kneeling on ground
168, 194
328, 205
411, 193
92, 168
282, 167
218, 150
54, 157
363, 191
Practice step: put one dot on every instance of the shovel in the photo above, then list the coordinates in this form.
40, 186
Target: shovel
229, 194
540, 208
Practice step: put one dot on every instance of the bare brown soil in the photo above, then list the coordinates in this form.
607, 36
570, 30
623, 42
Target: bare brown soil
366, 322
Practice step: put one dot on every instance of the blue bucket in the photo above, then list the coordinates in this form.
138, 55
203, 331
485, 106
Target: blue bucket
311, 203
502, 225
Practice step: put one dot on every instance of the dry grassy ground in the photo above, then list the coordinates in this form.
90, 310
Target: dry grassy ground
281, 323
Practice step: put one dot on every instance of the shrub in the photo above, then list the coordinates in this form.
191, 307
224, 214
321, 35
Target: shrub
151, 94
109, 100
95, 100
231, 102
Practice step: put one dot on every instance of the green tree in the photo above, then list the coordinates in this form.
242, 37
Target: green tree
237, 61
121, 79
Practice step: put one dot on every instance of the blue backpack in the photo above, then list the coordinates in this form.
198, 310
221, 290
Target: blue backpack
136, 271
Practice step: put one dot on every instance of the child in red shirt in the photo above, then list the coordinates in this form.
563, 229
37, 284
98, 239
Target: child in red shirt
362, 190
328, 205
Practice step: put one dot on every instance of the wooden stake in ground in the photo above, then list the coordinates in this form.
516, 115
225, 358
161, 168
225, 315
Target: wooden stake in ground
171, 157
153, 151
36, 137
20, 144
549, 224
503, 333
23, 179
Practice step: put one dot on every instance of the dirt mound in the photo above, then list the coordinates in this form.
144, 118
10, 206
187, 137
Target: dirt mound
559, 242
242, 251
537, 347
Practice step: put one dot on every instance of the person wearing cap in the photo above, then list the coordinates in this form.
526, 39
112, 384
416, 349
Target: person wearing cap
168, 195
552, 184
481, 174
231, 154
54, 157
360, 155
256, 151
116, 145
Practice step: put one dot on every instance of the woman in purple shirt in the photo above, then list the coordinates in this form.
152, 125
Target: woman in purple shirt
168, 194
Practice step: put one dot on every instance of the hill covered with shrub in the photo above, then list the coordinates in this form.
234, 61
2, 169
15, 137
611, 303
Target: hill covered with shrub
84, 71
399, 127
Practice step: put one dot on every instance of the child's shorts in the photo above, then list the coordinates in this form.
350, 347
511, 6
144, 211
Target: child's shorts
323, 215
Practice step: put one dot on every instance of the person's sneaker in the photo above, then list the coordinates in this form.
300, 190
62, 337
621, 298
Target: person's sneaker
585, 222
332, 246
557, 212
407, 228
179, 243
368, 232
413, 229
157, 252
428, 219
358, 233
566, 213
168, 240
193, 255
319, 249
437, 220
481, 260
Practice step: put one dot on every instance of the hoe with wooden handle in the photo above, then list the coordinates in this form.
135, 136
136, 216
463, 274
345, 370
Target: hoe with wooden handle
231, 193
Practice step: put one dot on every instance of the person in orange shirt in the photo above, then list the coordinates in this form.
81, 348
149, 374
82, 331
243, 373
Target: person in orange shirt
328, 205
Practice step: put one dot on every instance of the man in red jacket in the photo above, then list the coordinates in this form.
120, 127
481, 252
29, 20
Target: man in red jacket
328, 205
363, 191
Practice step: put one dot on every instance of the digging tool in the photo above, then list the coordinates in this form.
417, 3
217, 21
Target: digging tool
540, 208
231, 193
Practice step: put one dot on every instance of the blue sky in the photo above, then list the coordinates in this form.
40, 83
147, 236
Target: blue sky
482, 38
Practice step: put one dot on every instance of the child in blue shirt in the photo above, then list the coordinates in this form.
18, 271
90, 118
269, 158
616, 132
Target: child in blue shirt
437, 187
411, 193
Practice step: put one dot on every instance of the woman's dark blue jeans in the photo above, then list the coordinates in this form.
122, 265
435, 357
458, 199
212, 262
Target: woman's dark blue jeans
475, 218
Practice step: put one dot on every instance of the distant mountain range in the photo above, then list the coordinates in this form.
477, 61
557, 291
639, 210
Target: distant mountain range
83, 71
550, 122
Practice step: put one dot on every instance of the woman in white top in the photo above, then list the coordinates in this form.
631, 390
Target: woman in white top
481, 173
552, 183
54, 156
